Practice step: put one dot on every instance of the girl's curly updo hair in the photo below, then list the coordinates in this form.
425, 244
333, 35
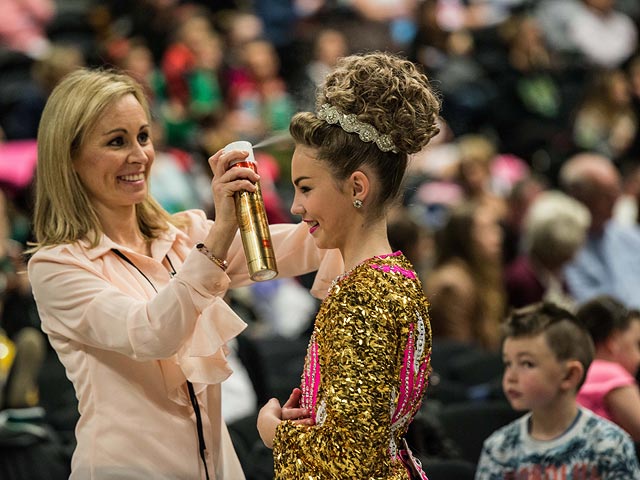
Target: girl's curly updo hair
385, 91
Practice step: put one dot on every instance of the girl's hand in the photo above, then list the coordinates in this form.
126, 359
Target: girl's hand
272, 414
292, 411
269, 418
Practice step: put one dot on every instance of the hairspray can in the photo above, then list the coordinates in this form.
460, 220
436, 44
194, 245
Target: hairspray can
252, 220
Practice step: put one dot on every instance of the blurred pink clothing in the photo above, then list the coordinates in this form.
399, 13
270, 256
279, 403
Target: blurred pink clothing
129, 350
602, 377
23, 26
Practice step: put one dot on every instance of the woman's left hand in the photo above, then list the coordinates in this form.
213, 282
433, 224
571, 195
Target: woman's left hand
227, 181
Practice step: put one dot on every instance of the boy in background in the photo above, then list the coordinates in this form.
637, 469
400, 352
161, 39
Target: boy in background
546, 354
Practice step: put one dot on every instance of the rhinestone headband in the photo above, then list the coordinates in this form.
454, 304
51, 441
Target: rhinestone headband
350, 123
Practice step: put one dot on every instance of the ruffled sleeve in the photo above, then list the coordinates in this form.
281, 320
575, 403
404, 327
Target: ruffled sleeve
202, 357
104, 304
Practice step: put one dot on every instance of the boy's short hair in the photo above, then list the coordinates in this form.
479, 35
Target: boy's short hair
566, 336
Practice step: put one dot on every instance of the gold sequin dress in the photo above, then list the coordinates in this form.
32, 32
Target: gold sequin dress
365, 373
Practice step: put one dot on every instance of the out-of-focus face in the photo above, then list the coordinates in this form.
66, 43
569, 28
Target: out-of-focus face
209, 53
474, 174
628, 347
603, 6
529, 34
139, 63
634, 76
602, 200
193, 31
325, 208
619, 89
261, 59
487, 233
532, 373
114, 161
330, 46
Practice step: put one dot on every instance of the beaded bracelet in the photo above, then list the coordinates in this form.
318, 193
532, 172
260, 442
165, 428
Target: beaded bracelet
223, 264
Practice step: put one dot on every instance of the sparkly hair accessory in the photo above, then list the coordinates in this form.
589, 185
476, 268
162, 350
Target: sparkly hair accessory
350, 123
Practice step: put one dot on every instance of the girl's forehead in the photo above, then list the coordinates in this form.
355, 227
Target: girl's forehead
305, 163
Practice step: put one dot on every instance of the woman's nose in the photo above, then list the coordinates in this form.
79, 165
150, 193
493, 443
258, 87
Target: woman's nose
296, 208
139, 154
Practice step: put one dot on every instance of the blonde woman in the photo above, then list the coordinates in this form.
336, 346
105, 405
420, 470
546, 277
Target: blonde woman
131, 297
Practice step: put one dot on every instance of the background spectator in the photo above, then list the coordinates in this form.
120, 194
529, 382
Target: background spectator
608, 261
465, 286
555, 227
610, 389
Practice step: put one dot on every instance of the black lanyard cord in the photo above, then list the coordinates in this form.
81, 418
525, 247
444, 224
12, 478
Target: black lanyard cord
196, 408
202, 446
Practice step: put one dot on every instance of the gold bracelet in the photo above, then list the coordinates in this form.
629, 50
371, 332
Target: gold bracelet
223, 264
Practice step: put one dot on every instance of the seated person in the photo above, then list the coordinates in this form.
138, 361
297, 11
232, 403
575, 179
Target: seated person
554, 229
610, 389
546, 354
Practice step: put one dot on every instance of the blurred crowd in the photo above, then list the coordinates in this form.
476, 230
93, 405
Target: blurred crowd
530, 191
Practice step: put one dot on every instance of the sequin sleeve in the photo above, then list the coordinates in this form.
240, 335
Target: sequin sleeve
361, 332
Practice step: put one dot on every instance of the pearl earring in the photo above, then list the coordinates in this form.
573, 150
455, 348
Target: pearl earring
357, 203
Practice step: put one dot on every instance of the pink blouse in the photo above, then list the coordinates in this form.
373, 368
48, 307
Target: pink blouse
602, 377
129, 350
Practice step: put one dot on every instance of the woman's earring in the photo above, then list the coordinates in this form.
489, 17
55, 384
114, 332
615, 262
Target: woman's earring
357, 203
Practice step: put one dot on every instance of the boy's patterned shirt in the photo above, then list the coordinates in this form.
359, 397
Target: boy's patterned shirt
592, 449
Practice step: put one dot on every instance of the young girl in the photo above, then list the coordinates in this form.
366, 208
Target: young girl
368, 358
611, 389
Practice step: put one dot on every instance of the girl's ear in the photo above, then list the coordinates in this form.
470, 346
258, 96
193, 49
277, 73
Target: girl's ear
359, 185
574, 371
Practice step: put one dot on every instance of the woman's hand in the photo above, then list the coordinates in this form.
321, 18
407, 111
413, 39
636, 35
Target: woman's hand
272, 414
226, 182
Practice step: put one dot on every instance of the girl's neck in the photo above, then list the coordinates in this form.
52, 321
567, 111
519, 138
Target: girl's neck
603, 353
553, 421
370, 243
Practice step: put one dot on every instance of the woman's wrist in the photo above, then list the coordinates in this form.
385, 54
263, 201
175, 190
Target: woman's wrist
219, 240
220, 262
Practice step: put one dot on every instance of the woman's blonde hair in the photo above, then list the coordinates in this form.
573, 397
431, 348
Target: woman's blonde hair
63, 211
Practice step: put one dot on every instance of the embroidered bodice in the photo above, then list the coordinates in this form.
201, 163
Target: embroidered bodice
365, 373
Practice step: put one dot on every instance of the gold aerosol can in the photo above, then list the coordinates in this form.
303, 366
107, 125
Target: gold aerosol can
252, 220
